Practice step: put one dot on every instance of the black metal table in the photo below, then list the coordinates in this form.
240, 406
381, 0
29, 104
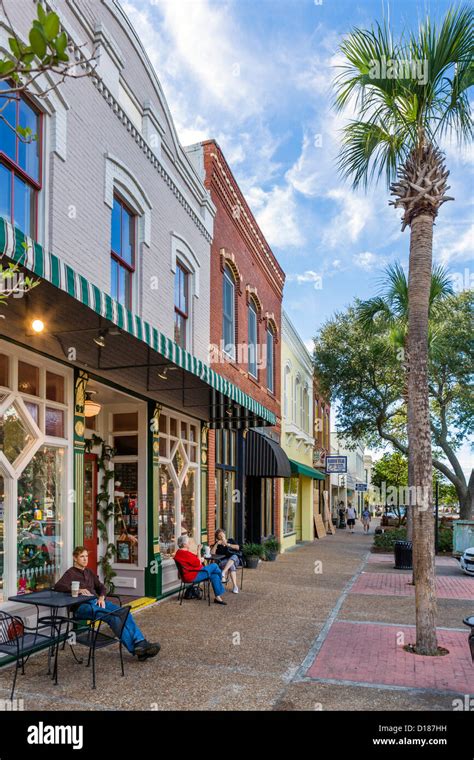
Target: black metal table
55, 601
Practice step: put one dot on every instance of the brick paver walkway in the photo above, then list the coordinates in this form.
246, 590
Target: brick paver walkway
374, 654
398, 584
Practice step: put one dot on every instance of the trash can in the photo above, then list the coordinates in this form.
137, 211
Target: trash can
403, 555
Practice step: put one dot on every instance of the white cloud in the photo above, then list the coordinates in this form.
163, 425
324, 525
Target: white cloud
355, 211
368, 260
276, 214
309, 276
454, 244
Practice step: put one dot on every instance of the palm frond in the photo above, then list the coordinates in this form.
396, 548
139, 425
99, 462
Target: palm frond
369, 150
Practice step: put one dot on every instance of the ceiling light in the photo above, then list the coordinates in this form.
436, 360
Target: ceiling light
99, 339
37, 325
91, 408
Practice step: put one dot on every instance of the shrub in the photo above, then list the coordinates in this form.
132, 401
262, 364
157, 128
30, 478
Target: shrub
253, 550
445, 540
386, 540
271, 545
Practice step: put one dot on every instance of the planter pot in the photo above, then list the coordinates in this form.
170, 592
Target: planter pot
252, 562
271, 556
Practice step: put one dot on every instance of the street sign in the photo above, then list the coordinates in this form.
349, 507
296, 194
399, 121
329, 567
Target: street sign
336, 464
361, 486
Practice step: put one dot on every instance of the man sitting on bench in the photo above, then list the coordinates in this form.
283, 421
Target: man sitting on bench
91, 588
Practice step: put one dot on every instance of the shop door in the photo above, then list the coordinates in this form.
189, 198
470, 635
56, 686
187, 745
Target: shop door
253, 510
90, 509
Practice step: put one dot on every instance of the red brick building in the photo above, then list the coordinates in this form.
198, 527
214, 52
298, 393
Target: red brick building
246, 293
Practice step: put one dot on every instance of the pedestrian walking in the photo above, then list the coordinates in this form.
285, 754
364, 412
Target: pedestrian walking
366, 517
351, 518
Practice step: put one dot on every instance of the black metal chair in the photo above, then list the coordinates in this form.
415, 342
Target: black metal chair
206, 584
20, 641
92, 637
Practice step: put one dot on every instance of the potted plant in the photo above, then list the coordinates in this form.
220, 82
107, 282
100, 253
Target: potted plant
272, 548
253, 553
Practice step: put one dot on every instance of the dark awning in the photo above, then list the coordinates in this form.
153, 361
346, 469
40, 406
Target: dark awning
265, 458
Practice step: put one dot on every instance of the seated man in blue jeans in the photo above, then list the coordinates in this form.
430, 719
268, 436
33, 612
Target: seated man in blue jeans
94, 592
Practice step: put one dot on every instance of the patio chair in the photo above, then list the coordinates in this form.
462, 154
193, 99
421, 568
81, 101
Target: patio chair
92, 636
20, 641
206, 585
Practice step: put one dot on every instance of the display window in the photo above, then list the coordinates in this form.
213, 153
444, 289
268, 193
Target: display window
178, 481
33, 454
290, 504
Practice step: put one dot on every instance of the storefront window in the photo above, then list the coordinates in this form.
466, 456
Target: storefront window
187, 503
167, 513
4, 374
126, 512
14, 435
178, 482
225, 481
267, 506
39, 520
290, 504
28, 379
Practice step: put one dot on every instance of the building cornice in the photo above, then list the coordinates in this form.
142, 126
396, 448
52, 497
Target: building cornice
291, 337
241, 212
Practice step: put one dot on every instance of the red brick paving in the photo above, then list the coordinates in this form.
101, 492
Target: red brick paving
398, 584
369, 653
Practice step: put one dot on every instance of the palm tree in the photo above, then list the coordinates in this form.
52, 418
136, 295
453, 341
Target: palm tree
387, 314
408, 95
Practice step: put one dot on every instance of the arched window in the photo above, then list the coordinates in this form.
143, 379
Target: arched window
228, 312
270, 359
296, 399
252, 338
286, 391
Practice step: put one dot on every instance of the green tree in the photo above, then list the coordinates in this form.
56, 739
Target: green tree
391, 472
387, 314
364, 373
400, 120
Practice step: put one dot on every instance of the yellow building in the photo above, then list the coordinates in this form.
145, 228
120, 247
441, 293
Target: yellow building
297, 521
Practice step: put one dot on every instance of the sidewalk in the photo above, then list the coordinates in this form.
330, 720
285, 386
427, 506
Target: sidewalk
294, 639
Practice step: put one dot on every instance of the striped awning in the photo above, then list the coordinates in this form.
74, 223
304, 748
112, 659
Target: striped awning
30, 255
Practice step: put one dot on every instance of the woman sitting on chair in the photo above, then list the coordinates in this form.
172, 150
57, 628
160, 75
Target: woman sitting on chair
231, 559
192, 568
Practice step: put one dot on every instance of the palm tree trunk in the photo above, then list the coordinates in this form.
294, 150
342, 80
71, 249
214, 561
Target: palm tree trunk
419, 432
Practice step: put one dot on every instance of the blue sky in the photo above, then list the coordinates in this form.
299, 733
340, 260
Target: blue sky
256, 76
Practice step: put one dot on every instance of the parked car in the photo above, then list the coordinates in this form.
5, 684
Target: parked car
467, 561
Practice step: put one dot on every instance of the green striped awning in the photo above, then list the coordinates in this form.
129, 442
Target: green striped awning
307, 472
29, 254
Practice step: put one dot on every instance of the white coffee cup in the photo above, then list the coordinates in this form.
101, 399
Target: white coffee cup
75, 588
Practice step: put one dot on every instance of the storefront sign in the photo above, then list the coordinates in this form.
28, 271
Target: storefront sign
336, 464
319, 458
361, 487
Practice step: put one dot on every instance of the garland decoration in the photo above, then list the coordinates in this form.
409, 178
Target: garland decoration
105, 507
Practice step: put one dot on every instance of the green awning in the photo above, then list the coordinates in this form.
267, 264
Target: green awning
29, 254
307, 472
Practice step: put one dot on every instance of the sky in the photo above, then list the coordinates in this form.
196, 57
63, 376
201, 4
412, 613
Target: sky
256, 76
